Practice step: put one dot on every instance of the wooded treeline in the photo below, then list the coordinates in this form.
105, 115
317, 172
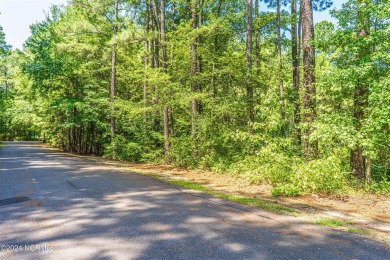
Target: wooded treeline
212, 84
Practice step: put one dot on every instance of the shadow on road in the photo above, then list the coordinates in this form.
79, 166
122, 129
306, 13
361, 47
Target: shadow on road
83, 209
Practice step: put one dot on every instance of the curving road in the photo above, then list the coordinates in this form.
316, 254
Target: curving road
54, 206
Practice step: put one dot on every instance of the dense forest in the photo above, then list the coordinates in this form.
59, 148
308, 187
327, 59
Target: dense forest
211, 84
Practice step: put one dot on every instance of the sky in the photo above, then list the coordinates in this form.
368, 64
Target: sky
17, 15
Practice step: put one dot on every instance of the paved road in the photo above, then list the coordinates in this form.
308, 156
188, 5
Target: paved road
54, 206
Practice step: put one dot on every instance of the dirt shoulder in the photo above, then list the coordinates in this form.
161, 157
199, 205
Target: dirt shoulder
365, 214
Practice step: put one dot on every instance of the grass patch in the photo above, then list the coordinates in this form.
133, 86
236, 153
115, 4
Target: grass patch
190, 185
235, 198
359, 231
333, 222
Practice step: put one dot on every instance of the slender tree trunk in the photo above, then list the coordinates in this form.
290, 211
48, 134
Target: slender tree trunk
162, 35
113, 93
194, 69
212, 84
154, 59
199, 62
167, 146
113, 73
213, 89
309, 89
155, 17
295, 63
199, 40
257, 40
299, 47
358, 162
146, 63
386, 152
198, 57
152, 63
157, 27
248, 83
385, 164
170, 109
280, 69
368, 168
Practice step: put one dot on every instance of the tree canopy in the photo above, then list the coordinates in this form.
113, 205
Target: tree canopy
213, 84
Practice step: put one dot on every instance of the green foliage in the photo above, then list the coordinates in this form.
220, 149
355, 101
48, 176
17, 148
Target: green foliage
321, 176
58, 87
292, 176
121, 149
268, 165
378, 186
288, 190
132, 152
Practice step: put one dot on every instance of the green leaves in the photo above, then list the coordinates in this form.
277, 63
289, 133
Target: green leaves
60, 85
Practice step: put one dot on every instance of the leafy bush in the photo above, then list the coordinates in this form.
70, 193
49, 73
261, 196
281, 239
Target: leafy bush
123, 150
132, 152
182, 152
286, 190
267, 165
379, 187
291, 176
321, 176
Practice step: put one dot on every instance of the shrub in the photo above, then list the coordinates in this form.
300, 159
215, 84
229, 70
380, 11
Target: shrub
286, 190
291, 176
378, 187
123, 150
266, 166
321, 176
182, 152
132, 152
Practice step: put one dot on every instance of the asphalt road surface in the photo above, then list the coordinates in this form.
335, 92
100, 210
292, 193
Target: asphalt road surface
54, 206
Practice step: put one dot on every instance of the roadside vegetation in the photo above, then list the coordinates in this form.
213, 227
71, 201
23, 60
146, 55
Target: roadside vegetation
267, 96
333, 222
254, 202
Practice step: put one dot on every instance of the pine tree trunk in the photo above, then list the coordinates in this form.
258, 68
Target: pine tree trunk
199, 63
257, 40
155, 52
248, 83
280, 69
385, 164
360, 97
194, 69
213, 90
309, 89
167, 146
146, 63
368, 168
113, 92
113, 74
386, 152
295, 63
162, 35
